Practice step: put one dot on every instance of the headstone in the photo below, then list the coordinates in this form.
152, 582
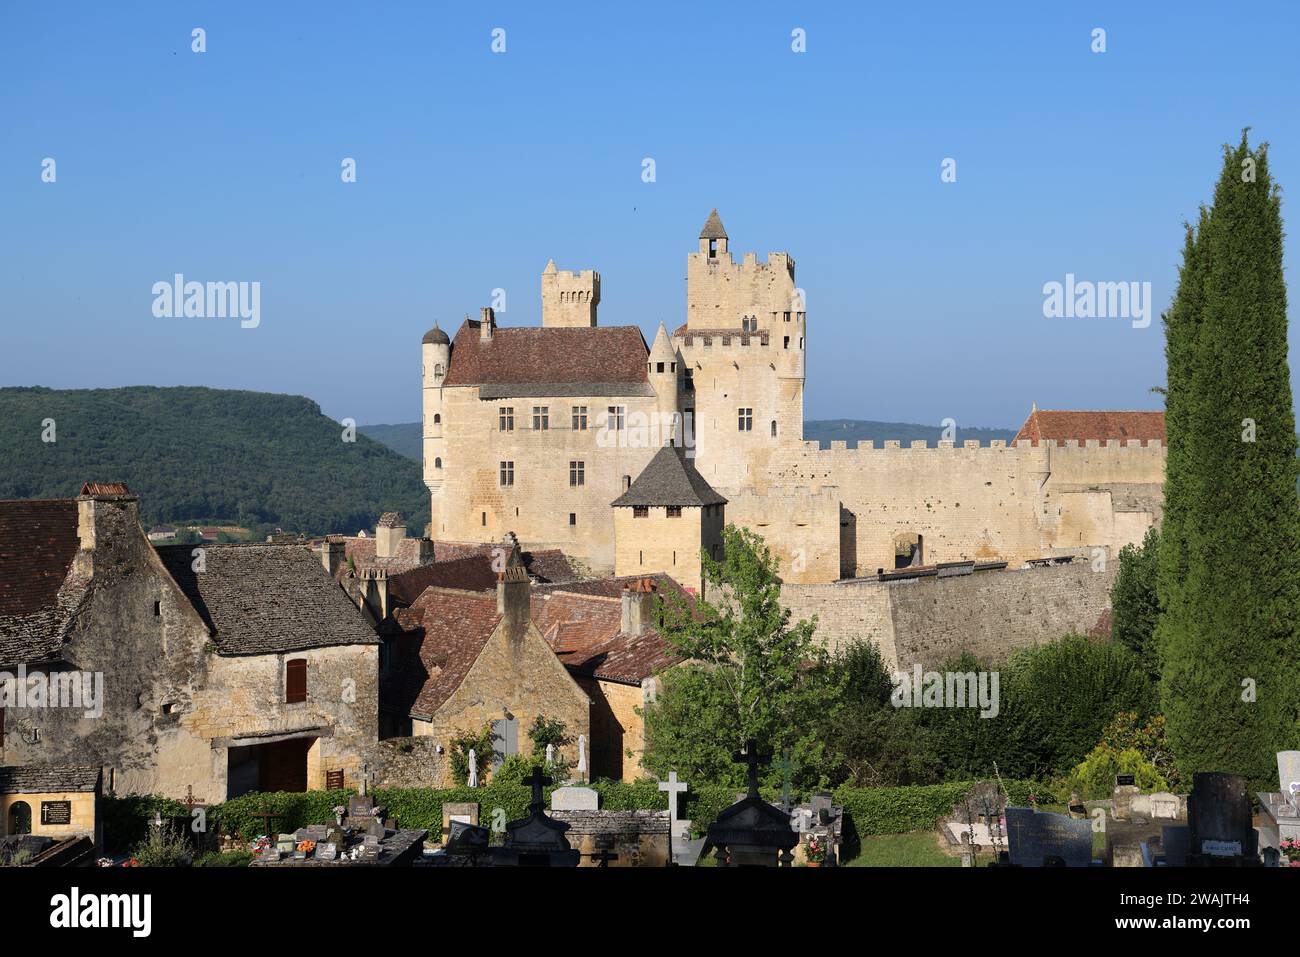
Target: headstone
575, 799
1034, 837
360, 806
327, 852
1219, 816
1175, 845
454, 812
1288, 772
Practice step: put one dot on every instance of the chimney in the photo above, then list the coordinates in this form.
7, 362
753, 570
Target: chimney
107, 515
331, 556
638, 607
389, 534
512, 587
487, 324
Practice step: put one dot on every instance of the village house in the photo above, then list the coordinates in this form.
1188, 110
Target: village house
207, 670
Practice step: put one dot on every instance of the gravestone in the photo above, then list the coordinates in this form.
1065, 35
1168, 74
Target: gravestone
575, 799
752, 832
327, 852
1040, 839
1280, 810
462, 812
1175, 845
1219, 818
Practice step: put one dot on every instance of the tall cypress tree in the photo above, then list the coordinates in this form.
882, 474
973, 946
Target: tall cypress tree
1230, 551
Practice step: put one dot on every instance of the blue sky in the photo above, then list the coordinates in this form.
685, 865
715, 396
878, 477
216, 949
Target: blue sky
924, 298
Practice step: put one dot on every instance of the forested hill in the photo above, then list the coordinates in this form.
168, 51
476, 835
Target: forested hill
405, 437
206, 455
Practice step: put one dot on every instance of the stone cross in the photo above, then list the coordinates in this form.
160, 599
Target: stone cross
751, 757
538, 780
674, 788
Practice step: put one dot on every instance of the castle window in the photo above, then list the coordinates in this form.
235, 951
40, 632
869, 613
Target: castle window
573, 518
295, 681
577, 473
674, 511
786, 344
774, 428
437, 418
659, 367
713, 249
674, 558
437, 463
672, 367
749, 324
640, 558
541, 418
614, 418
801, 342
580, 418
485, 519
787, 317
640, 511
507, 474
437, 371
157, 609
627, 482
506, 418
745, 418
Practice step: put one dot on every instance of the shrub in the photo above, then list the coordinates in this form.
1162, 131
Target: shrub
1094, 777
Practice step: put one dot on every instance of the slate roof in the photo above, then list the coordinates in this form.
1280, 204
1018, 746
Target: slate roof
444, 633
38, 594
267, 598
1054, 425
533, 361
713, 227
670, 478
38, 779
436, 336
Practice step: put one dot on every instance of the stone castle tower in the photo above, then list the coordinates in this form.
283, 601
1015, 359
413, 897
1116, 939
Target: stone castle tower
743, 348
569, 300
436, 360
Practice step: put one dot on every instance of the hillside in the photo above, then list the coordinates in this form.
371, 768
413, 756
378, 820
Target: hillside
206, 455
404, 438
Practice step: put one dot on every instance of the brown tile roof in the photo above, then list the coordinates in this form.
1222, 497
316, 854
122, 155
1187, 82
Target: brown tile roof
471, 573
670, 478
443, 634
1055, 425
585, 632
44, 779
105, 489
266, 598
534, 361
38, 596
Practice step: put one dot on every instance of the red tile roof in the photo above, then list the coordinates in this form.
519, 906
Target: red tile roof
444, 632
1055, 425
38, 542
548, 356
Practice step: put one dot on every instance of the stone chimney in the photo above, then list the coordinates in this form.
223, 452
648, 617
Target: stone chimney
389, 534
487, 324
332, 555
108, 519
512, 587
638, 607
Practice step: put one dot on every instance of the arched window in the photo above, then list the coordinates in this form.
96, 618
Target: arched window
437, 418
437, 463
774, 428
20, 818
437, 371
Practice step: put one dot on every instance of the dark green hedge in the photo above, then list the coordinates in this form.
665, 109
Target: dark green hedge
867, 810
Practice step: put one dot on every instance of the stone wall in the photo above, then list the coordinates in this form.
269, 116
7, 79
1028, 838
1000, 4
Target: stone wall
991, 614
639, 838
412, 762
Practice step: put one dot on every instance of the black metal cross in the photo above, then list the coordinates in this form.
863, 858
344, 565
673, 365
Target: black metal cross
753, 758
538, 780
603, 857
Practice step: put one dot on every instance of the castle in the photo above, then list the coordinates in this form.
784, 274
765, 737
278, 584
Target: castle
555, 433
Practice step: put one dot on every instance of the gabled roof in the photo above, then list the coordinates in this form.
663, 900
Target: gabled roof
46, 779
266, 598
713, 227
1056, 425
534, 361
38, 593
670, 478
445, 632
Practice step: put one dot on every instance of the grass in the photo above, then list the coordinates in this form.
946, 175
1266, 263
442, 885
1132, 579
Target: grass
917, 849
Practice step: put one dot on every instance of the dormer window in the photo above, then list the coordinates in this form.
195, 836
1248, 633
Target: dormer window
713, 249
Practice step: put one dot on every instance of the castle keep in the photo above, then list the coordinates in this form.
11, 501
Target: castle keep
540, 430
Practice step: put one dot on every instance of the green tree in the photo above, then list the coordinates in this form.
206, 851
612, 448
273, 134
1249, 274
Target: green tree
1229, 578
749, 671
1135, 607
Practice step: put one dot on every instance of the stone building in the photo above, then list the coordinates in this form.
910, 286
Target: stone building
217, 668
59, 802
465, 661
539, 429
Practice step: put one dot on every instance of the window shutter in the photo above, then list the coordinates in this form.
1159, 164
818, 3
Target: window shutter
295, 681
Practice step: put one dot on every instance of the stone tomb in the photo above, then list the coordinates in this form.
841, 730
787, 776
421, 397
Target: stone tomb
1041, 839
1279, 810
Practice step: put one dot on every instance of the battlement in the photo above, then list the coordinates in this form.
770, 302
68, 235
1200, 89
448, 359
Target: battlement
569, 299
